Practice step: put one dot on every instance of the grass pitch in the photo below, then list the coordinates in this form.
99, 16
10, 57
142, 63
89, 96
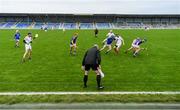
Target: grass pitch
52, 68
89, 99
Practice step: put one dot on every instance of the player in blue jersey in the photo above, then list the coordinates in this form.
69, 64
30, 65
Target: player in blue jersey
108, 41
17, 38
73, 45
135, 46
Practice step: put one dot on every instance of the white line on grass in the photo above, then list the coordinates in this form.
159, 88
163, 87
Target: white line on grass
90, 93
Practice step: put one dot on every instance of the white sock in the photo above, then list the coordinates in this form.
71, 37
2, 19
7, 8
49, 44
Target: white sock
101, 73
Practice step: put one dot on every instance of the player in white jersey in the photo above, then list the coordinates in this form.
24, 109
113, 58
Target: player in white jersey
28, 49
119, 41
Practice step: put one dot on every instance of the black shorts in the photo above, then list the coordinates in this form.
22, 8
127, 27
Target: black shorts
93, 67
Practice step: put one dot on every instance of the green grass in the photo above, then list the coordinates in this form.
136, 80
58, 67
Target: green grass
53, 69
89, 99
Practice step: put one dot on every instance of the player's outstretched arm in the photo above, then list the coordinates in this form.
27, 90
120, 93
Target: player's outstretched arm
83, 62
107, 35
98, 57
104, 40
123, 41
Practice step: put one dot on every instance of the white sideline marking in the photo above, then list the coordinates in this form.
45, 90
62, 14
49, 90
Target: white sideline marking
89, 93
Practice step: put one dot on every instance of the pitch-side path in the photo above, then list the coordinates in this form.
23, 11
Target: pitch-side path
89, 93
93, 106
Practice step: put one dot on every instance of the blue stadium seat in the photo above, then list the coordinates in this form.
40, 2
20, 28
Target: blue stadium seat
70, 25
86, 25
54, 25
23, 25
9, 25
2, 24
38, 25
103, 25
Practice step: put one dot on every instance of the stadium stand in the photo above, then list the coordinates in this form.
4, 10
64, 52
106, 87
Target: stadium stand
103, 25
69, 25
54, 25
2, 24
86, 25
88, 22
38, 25
9, 25
23, 25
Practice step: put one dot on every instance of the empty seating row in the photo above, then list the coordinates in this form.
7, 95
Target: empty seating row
42, 25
